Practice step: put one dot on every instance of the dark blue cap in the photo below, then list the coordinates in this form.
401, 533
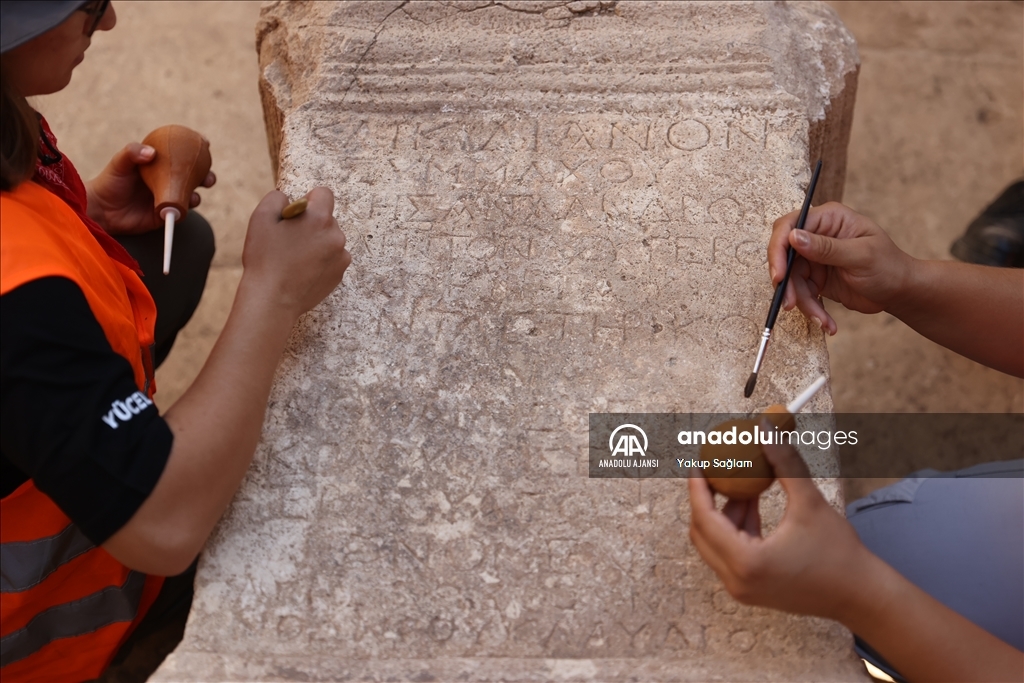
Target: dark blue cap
23, 20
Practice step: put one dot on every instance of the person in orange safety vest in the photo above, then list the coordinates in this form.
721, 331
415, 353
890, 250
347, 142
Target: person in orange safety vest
102, 496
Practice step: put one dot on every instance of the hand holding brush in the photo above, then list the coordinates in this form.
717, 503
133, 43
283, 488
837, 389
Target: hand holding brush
976, 311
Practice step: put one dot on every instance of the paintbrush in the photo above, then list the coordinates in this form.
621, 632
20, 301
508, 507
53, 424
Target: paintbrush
780, 289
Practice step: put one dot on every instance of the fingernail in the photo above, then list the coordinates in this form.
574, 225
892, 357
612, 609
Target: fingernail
800, 237
147, 151
771, 273
817, 321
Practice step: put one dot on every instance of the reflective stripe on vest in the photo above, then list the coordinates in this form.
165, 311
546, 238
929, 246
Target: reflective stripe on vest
66, 606
24, 564
104, 607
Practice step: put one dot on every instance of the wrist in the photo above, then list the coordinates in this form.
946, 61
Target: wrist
92, 207
910, 282
873, 587
262, 298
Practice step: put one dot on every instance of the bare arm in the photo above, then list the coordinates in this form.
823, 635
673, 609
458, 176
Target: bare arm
289, 267
976, 311
815, 564
919, 635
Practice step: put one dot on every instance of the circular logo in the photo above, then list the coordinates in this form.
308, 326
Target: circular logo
628, 444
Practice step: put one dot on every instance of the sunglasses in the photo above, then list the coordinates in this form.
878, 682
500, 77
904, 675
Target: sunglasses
95, 10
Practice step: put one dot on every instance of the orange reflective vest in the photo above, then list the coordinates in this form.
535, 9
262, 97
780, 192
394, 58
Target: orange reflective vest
66, 605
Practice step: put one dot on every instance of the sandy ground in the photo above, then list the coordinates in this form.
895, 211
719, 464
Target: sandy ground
938, 133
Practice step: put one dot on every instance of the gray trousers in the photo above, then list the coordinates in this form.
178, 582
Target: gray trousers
959, 536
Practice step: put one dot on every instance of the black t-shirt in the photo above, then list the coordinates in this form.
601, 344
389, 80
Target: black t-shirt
73, 419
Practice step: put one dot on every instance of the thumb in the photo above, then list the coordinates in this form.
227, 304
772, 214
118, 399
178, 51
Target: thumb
131, 155
271, 205
826, 250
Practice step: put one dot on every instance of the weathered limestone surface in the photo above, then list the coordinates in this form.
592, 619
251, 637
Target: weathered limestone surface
554, 209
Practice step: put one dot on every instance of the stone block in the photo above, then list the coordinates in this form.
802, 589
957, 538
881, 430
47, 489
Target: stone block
554, 208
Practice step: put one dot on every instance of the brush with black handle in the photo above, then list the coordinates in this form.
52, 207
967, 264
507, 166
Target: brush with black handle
780, 289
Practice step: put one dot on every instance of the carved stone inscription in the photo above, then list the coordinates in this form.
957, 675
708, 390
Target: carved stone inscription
418, 506
511, 276
486, 234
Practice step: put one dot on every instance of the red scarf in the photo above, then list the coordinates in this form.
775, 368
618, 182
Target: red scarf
61, 178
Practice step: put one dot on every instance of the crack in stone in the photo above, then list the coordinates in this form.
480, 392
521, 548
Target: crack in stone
373, 41
601, 7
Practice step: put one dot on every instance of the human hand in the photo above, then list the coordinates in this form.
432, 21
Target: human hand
841, 255
294, 263
118, 198
809, 565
